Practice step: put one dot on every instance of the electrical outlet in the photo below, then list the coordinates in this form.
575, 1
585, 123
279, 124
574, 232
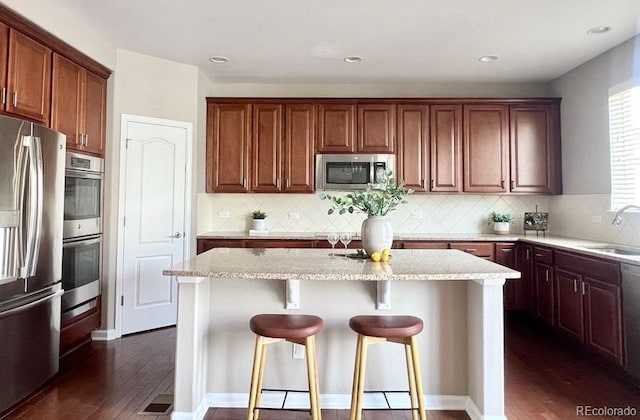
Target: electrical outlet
294, 216
417, 215
224, 215
596, 219
298, 351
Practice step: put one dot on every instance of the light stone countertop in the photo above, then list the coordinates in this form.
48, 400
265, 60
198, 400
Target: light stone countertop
560, 242
320, 264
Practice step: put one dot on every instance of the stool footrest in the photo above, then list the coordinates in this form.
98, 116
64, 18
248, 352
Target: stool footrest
384, 393
284, 401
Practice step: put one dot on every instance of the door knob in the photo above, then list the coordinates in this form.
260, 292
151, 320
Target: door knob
176, 235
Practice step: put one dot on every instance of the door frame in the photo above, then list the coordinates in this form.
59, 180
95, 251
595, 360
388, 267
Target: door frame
125, 120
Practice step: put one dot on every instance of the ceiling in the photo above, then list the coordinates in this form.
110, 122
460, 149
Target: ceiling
305, 41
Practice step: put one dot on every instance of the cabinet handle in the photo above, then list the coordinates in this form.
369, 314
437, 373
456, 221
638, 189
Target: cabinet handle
244, 182
4, 95
15, 99
502, 184
470, 250
584, 291
433, 183
278, 183
513, 184
546, 275
575, 285
288, 183
528, 255
86, 140
539, 255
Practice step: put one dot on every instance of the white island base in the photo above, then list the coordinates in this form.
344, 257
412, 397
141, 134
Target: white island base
458, 296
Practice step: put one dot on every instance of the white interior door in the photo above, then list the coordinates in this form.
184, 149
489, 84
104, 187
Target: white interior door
154, 223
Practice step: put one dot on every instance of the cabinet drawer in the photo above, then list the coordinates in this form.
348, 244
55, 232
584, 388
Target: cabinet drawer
479, 249
425, 245
543, 255
277, 243
592, 267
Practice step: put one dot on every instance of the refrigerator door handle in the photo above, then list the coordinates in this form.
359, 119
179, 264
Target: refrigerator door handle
31, 304
34, 228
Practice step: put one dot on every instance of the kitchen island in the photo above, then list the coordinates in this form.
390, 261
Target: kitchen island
459, 297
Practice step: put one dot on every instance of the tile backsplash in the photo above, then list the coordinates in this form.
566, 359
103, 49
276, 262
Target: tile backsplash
432, 213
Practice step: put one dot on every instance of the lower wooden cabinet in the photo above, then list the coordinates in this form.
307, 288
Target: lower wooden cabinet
484, 250
77, 330
506, 255
523, 287
570, 310
543, 280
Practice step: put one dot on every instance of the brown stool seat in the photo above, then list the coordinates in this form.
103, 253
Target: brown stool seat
285, 325
393, 326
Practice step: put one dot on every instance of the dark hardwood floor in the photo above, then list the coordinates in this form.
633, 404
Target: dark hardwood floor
544, 379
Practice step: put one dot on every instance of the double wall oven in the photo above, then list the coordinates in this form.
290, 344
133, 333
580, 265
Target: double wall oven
82, 232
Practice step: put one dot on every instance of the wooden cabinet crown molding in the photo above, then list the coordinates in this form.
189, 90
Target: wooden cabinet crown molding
376, 100
14, 20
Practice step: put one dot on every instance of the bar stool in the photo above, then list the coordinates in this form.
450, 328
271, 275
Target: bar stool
396, 329
273, 328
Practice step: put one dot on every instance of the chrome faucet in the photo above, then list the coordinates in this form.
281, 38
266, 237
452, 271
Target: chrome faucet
618, 217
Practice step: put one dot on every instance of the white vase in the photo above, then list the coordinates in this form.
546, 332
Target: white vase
259, 224
501, 228
377, 234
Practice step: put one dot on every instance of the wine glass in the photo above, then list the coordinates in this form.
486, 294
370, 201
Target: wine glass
333, 240
345, 238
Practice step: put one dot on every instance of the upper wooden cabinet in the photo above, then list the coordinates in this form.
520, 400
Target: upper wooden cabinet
26, 88
78, 107
228, 144
376, 128
413, 145
300, 130
260, 147
535, 149
486, 148
446, 156
336, 127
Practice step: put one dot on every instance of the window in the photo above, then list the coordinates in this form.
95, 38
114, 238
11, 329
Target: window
624, 135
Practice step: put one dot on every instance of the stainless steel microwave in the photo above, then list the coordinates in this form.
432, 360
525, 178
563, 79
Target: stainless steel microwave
352, 172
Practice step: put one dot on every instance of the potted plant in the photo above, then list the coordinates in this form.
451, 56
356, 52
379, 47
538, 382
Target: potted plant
258, 221
376, 203
500, 222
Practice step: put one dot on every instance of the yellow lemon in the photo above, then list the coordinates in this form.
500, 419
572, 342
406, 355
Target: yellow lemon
386, 251
376, 256
384, 257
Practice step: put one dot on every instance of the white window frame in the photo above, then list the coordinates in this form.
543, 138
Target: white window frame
619, 200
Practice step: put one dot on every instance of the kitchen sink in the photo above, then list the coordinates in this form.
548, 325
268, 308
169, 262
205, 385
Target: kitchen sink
616, 249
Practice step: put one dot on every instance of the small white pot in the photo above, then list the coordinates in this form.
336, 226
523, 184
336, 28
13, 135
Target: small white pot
501, 228
259, 224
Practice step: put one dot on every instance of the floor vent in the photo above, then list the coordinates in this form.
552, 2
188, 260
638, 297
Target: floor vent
160, 405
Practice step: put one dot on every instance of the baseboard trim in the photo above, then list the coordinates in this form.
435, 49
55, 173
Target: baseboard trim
104, 335
188, 415
474, 412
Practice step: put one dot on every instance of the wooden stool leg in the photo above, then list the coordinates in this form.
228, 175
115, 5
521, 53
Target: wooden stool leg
418, 378
312, 374
356, 374
263, 358
361, 375
412, 380
255, 377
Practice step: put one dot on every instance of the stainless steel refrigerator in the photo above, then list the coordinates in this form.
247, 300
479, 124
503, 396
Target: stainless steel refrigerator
31, 216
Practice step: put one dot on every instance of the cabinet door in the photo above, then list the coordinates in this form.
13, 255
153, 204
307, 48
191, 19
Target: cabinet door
524, 264
534, 148
228, 134
603, 318
376, 128
568, 288
29, 78
446, 157
413, 146
266, 144
486, 148
505, 255
95, 113
4, 58
336, 128
300, 131
544, 293
66, 95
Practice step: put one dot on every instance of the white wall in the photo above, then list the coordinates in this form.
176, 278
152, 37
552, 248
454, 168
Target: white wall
583, 210
149, 87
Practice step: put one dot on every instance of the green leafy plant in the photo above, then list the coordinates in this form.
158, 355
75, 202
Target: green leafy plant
500, 217
258, 214
374, 201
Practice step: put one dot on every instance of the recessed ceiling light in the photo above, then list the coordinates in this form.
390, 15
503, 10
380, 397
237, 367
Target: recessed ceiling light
598, 30
218, 59
488, 58
353, 59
